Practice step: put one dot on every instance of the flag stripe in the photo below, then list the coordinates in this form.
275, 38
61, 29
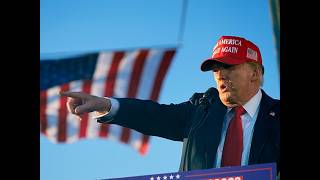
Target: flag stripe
73, 123
149, 73
62, 121
43, 117
98, 89
114, 131
161, 74
144, 145
100, 75
109, 87
104, 130
53, 104
112, 74
125, 135
124, 73
84, 119
136, 73
133, 86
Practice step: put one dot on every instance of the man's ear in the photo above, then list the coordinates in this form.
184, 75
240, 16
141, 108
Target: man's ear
255, 74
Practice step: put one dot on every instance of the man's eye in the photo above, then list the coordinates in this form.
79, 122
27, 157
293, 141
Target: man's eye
223, 66
229, 67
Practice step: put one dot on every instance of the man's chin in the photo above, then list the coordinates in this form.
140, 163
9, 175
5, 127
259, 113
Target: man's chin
227, 100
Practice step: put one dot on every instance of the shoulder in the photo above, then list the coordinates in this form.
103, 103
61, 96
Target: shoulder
272, 105
194, 99
269, 100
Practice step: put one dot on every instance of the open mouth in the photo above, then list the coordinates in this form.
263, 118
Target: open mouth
223, 87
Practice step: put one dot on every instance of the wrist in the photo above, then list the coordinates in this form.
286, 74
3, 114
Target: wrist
106, 106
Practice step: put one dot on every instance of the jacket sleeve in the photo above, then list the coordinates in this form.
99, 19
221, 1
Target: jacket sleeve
154, 119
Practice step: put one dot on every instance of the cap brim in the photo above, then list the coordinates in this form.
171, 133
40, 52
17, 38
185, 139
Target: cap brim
207, 65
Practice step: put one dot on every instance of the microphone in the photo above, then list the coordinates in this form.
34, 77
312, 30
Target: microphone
207, 98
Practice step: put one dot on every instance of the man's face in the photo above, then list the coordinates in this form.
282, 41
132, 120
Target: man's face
234, 83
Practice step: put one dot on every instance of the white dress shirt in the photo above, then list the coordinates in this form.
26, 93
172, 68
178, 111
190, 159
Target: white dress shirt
248, 120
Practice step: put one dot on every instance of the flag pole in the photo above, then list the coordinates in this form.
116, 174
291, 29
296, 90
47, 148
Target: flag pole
182, 21
275, 15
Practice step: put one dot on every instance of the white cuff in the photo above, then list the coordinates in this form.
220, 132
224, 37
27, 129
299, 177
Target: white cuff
113, 109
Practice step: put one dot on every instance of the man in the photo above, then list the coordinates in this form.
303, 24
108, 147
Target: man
235, 124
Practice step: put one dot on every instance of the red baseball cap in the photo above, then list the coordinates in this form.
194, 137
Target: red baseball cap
232, 50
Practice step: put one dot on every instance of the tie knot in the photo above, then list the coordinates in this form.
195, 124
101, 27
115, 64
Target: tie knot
239, 110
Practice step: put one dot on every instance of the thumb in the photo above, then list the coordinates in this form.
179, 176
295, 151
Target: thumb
84, 108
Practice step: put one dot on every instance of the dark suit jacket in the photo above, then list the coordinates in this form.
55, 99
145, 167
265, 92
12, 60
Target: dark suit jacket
198, 123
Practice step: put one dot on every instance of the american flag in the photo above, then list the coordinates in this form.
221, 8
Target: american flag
134, 74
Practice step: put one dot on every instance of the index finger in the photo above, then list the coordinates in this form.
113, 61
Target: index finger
80, 95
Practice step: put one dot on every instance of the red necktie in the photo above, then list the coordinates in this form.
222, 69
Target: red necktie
233, 145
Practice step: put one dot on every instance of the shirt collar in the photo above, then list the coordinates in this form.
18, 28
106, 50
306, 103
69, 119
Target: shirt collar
252, 105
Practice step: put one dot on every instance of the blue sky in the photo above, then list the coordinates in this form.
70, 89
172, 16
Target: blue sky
75, 27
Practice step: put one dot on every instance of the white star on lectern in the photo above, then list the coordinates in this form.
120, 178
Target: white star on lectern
164, 177
171, 177
151, 178
177, 176
158, 178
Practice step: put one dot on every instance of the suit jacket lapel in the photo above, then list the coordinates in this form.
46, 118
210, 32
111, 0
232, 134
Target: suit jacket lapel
262, 129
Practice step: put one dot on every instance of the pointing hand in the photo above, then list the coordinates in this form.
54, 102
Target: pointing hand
79, 103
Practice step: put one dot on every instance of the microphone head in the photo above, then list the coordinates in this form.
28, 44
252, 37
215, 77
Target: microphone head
208, 97
209, 94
